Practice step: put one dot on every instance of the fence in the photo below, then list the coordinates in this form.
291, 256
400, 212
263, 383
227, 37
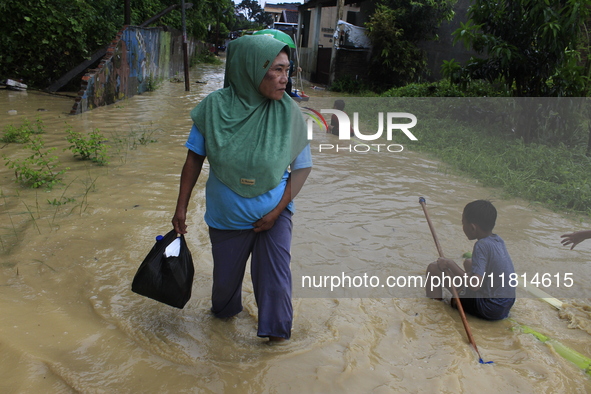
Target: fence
136, 60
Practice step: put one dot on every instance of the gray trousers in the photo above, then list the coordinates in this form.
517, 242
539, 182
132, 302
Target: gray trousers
270, 271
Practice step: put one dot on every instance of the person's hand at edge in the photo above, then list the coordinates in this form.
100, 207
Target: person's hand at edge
575, 238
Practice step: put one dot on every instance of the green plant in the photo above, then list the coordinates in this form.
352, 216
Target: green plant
57, 202
62, 201
446, 89
451, 70
395, 30
39, 169
145, 137
32, 217
252, 11
530, 45
204, 56
152, 83
15, 134
9, 218
91, 148
138, 135
142, 136
23, 133
89, 185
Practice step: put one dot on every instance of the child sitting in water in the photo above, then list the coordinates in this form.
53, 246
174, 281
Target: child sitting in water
486, 291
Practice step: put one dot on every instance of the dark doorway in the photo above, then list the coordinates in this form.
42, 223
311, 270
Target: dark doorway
323, 65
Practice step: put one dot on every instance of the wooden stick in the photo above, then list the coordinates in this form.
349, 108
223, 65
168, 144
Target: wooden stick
454, 292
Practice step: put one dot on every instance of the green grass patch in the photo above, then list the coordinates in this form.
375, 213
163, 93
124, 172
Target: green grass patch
557, 175
348, 84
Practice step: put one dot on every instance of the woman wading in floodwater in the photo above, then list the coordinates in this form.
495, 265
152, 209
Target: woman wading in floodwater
251, 133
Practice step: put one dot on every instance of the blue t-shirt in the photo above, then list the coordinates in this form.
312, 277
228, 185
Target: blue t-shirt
227, 210
491, 260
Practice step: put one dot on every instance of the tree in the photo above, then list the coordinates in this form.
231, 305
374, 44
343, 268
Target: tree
530, 45
395, 29
42, 40
252, 12
249, 8
264, 19
39, 41
223, 15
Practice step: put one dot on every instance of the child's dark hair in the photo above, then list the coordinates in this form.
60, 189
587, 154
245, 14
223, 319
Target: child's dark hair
481, 213
339, 104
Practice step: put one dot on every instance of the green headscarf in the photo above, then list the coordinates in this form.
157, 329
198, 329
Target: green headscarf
250, 140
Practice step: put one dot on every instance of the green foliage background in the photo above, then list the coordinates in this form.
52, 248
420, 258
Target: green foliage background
395, 29
536, 48
40, 40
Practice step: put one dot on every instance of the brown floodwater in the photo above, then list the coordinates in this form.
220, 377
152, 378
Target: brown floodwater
67, 257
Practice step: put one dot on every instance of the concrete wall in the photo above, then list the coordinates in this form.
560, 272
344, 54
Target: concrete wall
329, 18
136, 60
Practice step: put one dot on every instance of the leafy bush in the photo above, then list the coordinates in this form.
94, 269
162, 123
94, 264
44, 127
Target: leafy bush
90, 148
446, 89
395, 29
39, 169
152, 83
52, 37
23, 133
532, 46
451, 70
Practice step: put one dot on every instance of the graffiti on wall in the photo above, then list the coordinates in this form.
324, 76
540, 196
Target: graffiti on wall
136, 60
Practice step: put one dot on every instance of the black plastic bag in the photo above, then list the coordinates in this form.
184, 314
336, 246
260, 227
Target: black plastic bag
166, 279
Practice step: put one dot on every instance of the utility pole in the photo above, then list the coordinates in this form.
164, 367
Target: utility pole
217, 30
127, 13
185, 49
333, 54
